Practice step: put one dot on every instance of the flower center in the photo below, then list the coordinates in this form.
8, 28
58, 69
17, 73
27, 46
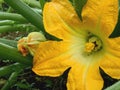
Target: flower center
93, 44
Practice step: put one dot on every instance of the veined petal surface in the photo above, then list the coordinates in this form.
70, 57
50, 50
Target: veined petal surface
102, 14
60, 19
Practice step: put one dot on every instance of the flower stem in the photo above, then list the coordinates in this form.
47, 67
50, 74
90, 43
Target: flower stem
7, 22
32, 3
32, 16
12, 43
12, 16
11, 53
17, 27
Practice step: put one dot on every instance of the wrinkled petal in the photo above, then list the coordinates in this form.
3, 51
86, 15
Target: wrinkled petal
93, 79
51, 58
102, 13
85, 77
21, 45
60, 19
111, 65
114, 46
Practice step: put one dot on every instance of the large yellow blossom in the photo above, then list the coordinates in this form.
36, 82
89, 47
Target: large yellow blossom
85, 45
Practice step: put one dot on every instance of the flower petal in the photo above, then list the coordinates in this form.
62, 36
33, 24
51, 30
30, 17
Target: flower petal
85, 78
102, 13
60, 18
51, 58
111, 65
114, 46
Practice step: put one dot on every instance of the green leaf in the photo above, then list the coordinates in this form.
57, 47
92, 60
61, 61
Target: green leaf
115, 86
11, 81
32, 16
71, 1
116, 32
42, 2
79, 4
7, 70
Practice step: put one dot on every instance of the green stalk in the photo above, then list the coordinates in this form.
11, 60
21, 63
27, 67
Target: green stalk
32, 3
12, 16
8, 52
11, 81
27, 12
12, 43
6, 70
17, 27
7, 22
37, 10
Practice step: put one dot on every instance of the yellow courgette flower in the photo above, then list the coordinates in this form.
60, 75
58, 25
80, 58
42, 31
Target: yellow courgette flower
85, 45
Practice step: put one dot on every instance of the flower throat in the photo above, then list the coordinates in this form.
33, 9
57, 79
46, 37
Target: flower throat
93, 44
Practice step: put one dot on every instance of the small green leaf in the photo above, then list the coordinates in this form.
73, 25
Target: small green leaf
79, 4
42, 2
116, 32
115, 86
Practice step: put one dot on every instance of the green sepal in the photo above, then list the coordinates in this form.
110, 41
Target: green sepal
78, 5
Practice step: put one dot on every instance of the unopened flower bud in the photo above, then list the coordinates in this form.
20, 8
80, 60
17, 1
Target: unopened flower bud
30, 43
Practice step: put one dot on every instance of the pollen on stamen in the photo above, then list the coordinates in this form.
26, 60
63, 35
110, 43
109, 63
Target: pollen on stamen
89, 47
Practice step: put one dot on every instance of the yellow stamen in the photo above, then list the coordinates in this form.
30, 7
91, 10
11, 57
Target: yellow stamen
89, 47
